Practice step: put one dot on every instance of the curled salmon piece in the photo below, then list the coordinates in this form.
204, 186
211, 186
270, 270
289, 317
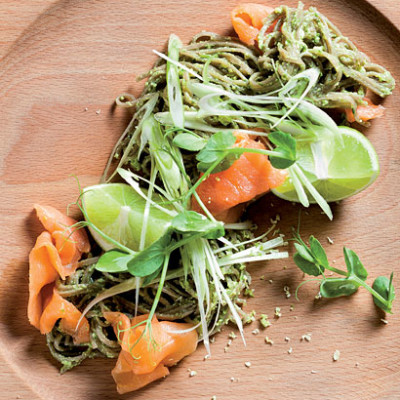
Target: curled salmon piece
144, 358
44, 264
55, 254
249, 176
70, 242
247, 20
365, 112
56, 307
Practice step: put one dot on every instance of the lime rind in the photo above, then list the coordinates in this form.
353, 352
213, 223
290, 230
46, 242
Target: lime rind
352, 166
117, 210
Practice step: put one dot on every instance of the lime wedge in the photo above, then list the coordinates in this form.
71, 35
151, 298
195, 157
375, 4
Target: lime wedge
117, 210
337, 168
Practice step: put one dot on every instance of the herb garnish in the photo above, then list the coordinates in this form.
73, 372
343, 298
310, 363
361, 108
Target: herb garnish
312, 260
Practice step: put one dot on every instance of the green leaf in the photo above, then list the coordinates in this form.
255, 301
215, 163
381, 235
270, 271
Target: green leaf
113, 261
217, 148
147, 280
336, 287
191, 222
306, 266
354, 265
286, 146
304, 252
385, 288
188, 141
318, 253
151, 259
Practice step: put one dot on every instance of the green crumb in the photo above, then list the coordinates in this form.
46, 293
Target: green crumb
232, 335
268, 341
264, 321
249, 318
249, 292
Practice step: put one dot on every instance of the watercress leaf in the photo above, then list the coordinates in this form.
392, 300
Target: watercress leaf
149, 260
306, 266
217, 149
336, 287
286, 146
318, 252
385, 288
113, 261
188, 141
304, 252
191, 222
354, 265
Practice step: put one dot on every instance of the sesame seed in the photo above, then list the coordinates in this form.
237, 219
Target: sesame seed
247, 364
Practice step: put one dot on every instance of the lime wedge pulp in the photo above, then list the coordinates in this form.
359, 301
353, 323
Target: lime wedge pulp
337, 168
117, 210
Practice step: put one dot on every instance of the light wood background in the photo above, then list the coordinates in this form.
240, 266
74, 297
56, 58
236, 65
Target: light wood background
59, 57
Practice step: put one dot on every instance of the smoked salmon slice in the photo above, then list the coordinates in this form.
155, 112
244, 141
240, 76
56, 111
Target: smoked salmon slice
70, 242
365, 112
247, 20
144, 356
56, 253
249, 176
128, 381
44, 263
59, 308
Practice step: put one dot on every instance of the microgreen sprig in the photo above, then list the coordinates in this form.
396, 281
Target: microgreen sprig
219, 150
312, 260
147, 263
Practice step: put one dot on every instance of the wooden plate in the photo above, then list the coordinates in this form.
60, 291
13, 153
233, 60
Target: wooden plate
79, 55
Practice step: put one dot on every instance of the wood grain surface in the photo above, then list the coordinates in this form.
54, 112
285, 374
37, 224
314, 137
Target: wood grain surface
60, 57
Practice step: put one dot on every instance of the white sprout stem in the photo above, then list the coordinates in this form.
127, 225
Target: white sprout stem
158, 188
314, 192
260, 249
256, 239
301, 193
312, 75
271, 256
138, 283
228, 243
126, 175
178, 64
146, 211
200, 294
213, 260
239, 225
